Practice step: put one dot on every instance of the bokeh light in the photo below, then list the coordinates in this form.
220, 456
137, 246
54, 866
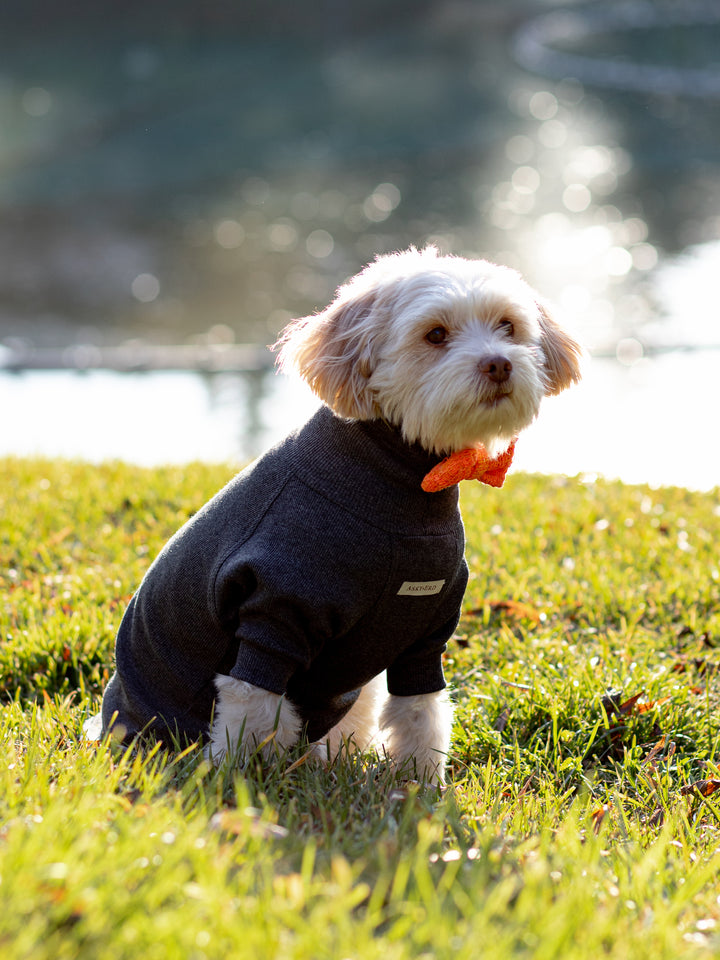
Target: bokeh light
161, 186
146, 287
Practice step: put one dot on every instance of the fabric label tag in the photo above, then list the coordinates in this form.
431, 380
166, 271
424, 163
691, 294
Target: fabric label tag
420, 588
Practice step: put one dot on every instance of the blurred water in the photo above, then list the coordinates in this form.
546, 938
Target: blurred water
644, 421
178, 184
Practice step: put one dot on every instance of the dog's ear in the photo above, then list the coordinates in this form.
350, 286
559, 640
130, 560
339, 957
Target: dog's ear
562, 354
333, 351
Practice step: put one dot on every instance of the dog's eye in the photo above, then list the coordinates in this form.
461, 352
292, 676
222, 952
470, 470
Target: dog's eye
506, 326
436, 336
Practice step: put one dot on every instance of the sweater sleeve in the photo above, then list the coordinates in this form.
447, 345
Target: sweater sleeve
292, 588
419, 668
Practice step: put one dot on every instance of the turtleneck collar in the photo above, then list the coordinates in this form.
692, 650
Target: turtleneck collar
368, 467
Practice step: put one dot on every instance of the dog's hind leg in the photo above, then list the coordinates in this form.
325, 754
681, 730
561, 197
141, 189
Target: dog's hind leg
358, 729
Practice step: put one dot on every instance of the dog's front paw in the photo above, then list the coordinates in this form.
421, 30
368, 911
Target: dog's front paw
248, 718
415, 732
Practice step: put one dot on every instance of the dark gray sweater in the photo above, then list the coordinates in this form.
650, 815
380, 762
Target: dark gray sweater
316, 568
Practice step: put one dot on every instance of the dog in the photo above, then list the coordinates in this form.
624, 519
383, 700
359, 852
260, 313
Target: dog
315, 594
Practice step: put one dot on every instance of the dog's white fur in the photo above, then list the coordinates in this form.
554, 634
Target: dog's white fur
454, 352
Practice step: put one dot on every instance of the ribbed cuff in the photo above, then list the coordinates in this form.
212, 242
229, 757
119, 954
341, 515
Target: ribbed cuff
266, 669
410, 679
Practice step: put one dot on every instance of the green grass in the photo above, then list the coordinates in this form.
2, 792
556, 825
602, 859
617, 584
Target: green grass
581, 818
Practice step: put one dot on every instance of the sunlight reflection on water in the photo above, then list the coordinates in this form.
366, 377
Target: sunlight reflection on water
126, 217
643, 423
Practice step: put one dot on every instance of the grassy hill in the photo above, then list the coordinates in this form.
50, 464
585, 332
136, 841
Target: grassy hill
581, 817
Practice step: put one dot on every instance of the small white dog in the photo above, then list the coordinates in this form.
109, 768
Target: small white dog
315, 594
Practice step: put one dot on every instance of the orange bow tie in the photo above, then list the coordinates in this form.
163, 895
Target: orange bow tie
474, 463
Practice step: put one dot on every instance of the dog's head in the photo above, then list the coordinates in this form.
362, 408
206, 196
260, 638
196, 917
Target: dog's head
455, 352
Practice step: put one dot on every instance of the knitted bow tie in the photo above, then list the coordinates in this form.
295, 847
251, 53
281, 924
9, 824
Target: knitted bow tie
474, 463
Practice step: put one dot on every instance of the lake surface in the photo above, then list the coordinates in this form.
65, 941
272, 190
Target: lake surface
645, 422
204, 179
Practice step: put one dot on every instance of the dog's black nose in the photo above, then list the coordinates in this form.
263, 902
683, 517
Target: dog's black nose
497, 369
